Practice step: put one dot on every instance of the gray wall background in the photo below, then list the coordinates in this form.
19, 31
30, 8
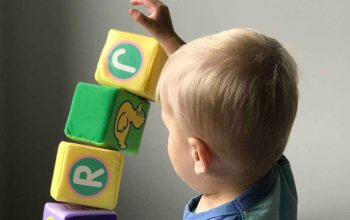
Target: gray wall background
47, 46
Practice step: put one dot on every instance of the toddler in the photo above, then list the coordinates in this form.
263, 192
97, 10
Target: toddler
229, 101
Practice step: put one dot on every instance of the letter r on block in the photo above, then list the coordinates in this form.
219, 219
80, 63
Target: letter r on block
89, 181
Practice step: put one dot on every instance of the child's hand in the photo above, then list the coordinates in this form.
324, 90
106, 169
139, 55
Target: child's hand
157, 23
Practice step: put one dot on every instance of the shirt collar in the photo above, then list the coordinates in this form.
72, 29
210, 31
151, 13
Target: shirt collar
244, 201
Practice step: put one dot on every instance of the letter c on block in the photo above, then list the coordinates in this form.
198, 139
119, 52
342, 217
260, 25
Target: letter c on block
119, 65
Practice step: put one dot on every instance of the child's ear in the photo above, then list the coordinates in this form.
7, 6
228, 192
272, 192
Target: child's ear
200, 154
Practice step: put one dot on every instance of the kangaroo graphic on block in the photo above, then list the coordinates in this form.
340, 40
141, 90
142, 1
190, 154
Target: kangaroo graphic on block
127, 115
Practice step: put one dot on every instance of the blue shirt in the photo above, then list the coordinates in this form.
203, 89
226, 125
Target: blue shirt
274, 197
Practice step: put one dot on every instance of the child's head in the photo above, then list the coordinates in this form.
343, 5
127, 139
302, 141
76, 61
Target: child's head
236, 92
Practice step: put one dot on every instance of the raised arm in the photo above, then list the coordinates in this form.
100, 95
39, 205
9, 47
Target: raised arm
157, 23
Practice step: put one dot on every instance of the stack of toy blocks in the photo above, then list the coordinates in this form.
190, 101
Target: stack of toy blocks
107, 120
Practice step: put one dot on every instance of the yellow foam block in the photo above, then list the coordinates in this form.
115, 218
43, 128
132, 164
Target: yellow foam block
132, 62
87, 175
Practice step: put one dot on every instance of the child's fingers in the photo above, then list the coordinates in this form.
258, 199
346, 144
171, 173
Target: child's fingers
139, 17
149, 4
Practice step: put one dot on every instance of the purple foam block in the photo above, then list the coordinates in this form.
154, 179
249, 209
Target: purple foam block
66, 211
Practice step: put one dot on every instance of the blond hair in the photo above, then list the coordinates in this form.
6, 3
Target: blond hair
237, 91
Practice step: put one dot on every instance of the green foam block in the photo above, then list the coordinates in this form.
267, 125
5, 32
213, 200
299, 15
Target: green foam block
107, 117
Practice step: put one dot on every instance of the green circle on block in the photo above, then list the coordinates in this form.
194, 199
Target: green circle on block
88, 176
125, 61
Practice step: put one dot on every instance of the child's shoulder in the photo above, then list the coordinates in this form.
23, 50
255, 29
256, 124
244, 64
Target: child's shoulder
273, 197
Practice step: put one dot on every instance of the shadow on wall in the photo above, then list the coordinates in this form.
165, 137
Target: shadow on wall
33, 78
2, 113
